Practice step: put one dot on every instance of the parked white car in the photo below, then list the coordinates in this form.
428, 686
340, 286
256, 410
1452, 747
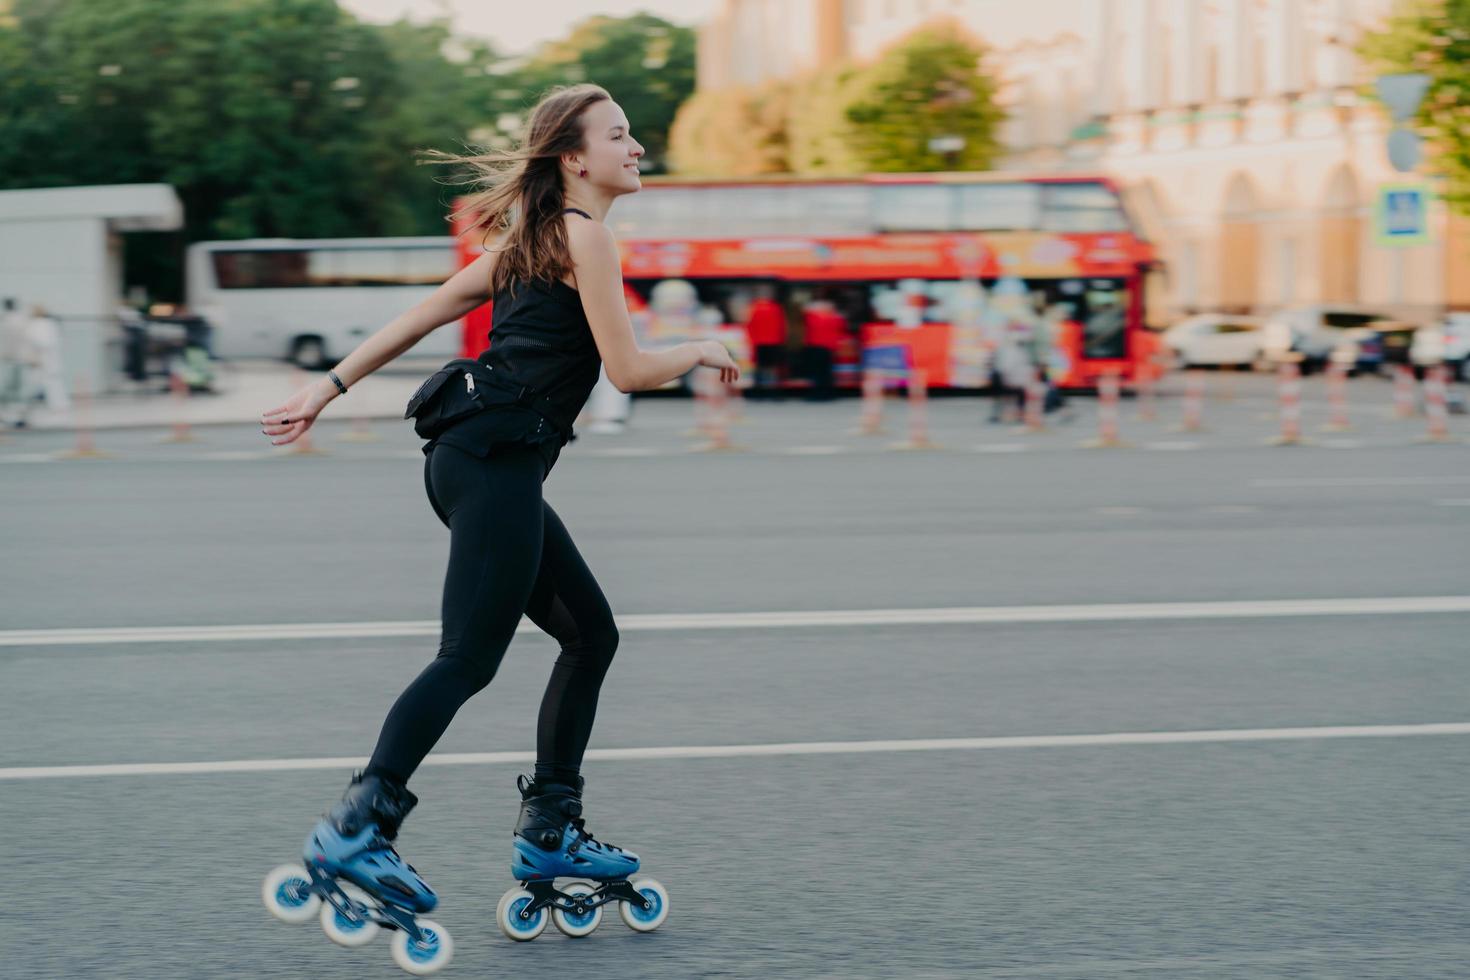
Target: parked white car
1216, 340
1319, 331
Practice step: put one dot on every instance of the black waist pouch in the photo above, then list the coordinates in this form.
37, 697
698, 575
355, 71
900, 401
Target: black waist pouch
462, 388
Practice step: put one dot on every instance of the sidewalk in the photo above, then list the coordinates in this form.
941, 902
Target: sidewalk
244, 392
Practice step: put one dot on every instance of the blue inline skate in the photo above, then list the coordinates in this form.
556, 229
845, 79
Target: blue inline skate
357, 884
551, 841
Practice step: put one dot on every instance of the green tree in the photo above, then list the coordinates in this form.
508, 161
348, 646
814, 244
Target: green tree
928, 85
269, 117
645, 62
1433, 37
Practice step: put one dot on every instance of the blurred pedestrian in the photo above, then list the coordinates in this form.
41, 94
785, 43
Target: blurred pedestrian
560, 315
17, 364
823, 329
44, 336
766, 324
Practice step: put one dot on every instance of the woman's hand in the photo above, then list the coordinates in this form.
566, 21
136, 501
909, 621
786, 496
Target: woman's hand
713, 354
293, 418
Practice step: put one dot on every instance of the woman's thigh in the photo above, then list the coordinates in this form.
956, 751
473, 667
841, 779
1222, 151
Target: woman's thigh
494, 510
566, 601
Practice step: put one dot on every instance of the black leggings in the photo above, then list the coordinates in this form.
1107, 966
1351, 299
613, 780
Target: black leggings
508, 554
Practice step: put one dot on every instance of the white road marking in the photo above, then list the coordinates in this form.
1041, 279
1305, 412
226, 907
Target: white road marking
769, 749
1359, 481
1171, 447
621, 452
1453, 502
658, 622
1232, 509
1002, 447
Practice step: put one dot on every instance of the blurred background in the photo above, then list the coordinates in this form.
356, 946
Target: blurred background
1074, 585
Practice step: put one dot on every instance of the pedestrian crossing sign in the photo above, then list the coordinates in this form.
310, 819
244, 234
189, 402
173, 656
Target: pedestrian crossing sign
1401, 215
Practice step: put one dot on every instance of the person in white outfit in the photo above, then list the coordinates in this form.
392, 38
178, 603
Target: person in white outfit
16, 362
44, 335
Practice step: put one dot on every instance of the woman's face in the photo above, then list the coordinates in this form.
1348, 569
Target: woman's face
610, 153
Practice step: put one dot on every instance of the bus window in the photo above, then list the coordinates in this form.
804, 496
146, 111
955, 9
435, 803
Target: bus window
1081, 207
913, 207
1001, 207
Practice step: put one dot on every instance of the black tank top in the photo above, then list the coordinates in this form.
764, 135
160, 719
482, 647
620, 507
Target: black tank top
540, 337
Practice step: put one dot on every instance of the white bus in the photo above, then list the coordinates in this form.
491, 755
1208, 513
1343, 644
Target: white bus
312, 301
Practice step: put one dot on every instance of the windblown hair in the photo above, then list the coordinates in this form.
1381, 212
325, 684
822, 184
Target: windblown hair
519, 194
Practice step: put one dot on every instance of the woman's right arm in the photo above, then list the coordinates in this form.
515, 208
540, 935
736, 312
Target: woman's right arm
599, 275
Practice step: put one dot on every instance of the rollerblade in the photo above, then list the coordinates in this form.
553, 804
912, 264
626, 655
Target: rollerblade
551, 841
356, 883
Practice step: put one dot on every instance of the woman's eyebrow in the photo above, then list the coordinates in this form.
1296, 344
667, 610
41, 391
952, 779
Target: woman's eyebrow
618, 126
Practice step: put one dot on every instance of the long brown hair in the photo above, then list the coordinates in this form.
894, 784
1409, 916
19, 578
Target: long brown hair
519, 191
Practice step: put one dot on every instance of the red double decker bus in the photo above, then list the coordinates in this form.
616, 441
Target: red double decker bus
948, 268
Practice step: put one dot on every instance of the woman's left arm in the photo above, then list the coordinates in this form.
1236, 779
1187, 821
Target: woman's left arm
462, 292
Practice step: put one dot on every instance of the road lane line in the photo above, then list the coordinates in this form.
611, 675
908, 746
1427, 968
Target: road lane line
659, 622
1359, 481
760, 750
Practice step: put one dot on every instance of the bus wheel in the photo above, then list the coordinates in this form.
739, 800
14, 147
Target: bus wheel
309, 353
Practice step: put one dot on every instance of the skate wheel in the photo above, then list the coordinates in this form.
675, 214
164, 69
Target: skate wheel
287, 894
508, 916
430, 955
646, 919
570, 923
343, 931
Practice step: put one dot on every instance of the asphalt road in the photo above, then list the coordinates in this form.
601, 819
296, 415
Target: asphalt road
1282, 856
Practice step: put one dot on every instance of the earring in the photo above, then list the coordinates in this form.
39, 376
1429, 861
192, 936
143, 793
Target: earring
582, 172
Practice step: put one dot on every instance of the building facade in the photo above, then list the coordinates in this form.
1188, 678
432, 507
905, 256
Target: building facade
1238, 127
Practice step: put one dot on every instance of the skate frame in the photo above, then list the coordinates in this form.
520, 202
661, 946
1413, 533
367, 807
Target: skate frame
386, 915
545, 894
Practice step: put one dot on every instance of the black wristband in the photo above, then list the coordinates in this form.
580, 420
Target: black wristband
337, 381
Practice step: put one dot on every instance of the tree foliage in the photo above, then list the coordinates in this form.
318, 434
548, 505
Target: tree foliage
1433, 37
852, 118
287, 118
645, 63
928, 86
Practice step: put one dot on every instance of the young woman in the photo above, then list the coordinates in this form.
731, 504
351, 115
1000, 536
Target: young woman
559, 314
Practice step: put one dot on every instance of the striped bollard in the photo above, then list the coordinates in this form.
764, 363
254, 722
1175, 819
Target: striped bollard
1337, 398
1403, 392
1035, 404
918, 411
304, 445
1194, 402
1435, 410
872, 418
1289, 399
86, 448
179, 398
1108, 390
